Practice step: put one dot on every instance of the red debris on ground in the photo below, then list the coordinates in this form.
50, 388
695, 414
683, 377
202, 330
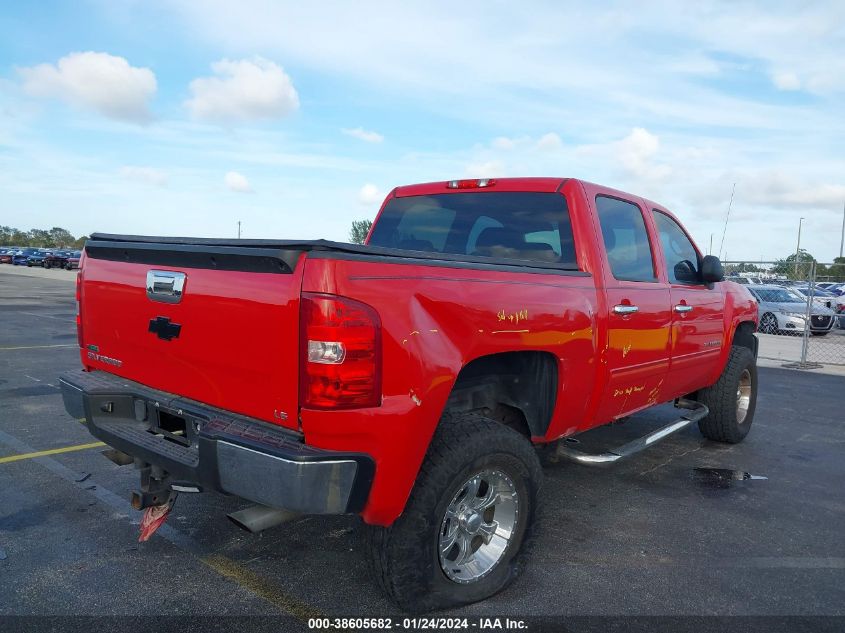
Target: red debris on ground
154, 518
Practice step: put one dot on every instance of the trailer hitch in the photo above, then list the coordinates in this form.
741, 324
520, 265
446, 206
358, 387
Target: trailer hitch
156, 499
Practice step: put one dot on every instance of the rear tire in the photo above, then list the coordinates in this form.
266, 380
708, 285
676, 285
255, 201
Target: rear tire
406, 557
732, 400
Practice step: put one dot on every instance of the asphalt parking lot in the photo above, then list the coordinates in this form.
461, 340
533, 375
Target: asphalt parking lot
648, 537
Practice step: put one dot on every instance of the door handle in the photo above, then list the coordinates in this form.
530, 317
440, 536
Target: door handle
625, 309
165, 286
683, 308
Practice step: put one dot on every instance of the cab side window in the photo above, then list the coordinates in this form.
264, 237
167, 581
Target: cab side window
625, 239
680, 255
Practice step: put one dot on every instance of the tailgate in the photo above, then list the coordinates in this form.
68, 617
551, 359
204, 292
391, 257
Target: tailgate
229, 338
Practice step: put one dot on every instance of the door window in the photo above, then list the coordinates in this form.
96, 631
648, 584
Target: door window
625, 239
679, 254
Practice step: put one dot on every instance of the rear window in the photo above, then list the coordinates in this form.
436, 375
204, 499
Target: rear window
529, 226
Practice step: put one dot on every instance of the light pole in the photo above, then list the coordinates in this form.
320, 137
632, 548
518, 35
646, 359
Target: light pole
798, 248
239, 229
842, 239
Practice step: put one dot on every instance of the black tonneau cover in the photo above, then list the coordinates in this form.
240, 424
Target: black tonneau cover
280, 256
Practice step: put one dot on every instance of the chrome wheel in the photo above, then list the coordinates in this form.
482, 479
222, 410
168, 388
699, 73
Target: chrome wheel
769, 324
743, 396
478, 525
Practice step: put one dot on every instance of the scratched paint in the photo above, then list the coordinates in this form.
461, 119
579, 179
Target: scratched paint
652, 395
627, 391
514, 317
639, 340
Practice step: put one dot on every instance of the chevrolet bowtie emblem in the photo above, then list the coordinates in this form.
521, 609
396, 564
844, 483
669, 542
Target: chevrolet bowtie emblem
164, 329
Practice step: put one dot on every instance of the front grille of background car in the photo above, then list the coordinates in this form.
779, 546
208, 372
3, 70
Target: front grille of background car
821, 321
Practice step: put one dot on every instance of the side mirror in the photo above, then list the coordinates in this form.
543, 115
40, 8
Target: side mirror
711, 269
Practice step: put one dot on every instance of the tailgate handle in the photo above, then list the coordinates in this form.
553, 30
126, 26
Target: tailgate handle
165, 286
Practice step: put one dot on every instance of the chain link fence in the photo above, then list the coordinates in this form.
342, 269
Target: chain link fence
802, 314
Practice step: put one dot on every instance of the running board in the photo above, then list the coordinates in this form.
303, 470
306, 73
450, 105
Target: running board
695, 412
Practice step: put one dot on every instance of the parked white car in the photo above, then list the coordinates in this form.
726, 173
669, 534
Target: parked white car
784, 312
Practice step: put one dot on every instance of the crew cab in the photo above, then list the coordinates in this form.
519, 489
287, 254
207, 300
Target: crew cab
415, 380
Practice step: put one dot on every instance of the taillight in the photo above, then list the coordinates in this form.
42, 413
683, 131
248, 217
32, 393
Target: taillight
79, 308
340, 341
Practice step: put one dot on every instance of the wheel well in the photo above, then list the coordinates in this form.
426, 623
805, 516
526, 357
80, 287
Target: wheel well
744, 335
518, 389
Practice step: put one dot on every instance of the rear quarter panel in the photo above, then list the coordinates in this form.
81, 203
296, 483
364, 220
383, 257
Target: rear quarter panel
434, 321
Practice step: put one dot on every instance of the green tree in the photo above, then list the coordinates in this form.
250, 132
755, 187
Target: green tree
787, 265
79, 243
61, 237
40, 238
360, 229
836, 271
746, 268
19, 238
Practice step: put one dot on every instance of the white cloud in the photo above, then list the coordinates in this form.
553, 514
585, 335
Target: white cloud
486, 169
369, 195
786, 81
237, 182
360, 133
146, 175
635, 153
243, 90
550, 141
695, 64
503, 142
97, 81
774, 188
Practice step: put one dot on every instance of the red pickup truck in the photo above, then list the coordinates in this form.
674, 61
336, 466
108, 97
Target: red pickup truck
415, 380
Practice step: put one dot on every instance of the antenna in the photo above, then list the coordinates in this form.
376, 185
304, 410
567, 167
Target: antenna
727, 217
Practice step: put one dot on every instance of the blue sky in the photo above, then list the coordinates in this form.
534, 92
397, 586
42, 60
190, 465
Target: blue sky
182, 118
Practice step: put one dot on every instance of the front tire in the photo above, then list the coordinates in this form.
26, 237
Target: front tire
732, 400
472, 507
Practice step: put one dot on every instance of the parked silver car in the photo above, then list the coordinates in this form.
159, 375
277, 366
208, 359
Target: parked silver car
784, 312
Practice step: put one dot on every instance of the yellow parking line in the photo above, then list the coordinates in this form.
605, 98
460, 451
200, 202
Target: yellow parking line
38, 346
52, 451
261, 587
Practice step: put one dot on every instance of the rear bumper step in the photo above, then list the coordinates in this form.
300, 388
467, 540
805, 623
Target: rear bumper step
694, 411
216, 449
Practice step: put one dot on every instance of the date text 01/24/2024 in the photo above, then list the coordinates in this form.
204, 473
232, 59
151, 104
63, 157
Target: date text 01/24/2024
417, 624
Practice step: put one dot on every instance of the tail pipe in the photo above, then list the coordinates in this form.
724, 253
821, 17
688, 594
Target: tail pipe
258, 518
